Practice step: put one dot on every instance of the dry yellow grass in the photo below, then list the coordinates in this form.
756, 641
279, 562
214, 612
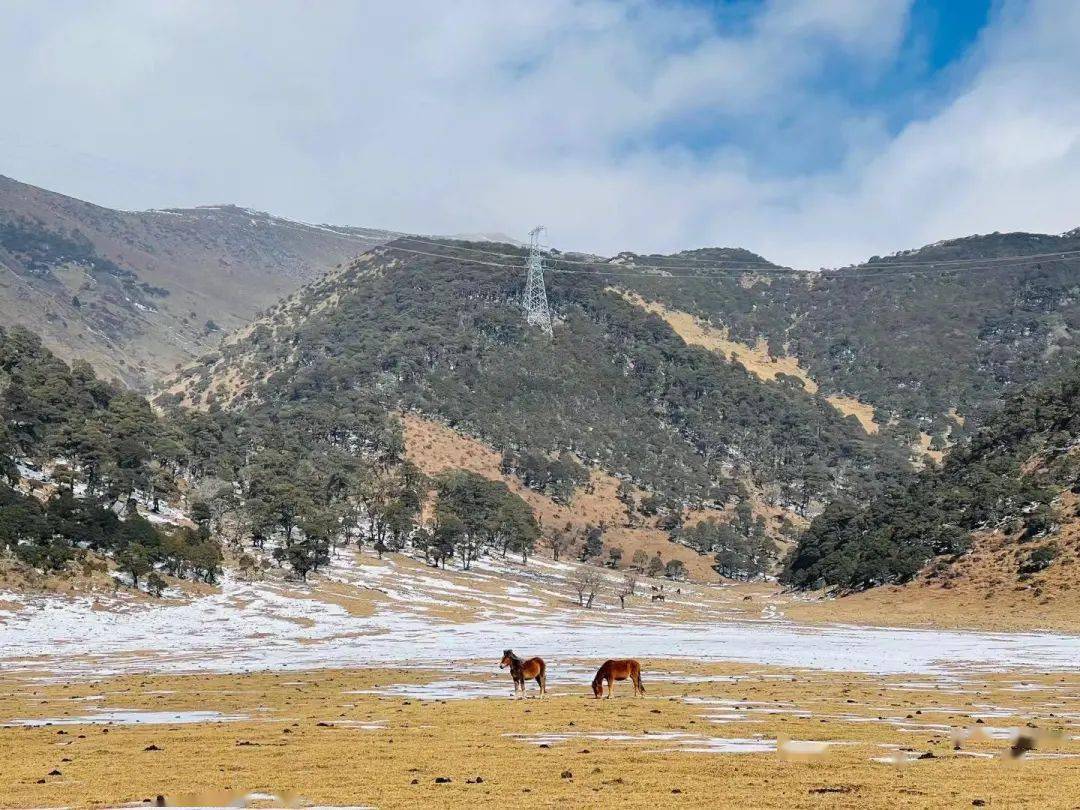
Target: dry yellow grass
966, 605
434, 448
697, 332
849, 406
760, 362
310, 737
924, 451
982, 589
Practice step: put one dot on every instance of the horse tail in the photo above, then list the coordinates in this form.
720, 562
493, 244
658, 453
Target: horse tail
637, 679
542, 677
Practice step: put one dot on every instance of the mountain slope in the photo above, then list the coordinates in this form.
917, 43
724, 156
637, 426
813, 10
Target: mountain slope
616, 387
923, 343
138, 292
999, 517
921, 336
436, 448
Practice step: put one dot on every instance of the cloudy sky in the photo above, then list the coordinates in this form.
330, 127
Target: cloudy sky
816, 132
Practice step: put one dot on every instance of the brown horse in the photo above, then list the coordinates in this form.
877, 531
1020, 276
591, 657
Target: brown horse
617, 670
521, 668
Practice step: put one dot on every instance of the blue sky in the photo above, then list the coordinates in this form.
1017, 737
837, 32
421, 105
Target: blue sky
947, 27
937, 39
816, 132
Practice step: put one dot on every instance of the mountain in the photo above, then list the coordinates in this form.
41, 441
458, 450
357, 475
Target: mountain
998, 520
440, 335
919, 342
707, 379
930, 338
138, 292
710, 397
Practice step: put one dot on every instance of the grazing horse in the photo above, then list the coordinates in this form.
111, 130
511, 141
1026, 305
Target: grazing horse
522, 668
618, 670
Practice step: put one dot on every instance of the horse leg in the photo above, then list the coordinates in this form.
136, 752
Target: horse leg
540, 683
610, 684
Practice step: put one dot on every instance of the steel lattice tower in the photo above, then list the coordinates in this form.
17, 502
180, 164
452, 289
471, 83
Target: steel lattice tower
535, 301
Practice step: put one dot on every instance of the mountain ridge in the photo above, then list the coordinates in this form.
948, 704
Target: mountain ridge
136, 292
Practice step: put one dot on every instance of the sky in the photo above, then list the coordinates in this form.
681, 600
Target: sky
815, 132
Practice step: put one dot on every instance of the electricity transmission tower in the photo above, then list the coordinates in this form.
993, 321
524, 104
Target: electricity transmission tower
535, 301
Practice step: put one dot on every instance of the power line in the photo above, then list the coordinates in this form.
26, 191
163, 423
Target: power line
401, 235
706, 264
874, 271
835, 275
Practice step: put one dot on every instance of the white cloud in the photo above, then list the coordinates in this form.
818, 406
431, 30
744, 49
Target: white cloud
491, 116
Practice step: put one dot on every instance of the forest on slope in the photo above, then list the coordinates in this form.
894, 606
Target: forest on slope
1015, 479
922, 335
91, 478
934, 340
617, 389
615, 386
76, 455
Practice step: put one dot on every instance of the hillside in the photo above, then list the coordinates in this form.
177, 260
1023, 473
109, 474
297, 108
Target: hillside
925, 337
436, 448
616, 390
137, 292
997, 521
921, 344
709, 397
86, 472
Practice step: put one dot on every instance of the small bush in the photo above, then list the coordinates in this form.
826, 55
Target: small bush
1039, 559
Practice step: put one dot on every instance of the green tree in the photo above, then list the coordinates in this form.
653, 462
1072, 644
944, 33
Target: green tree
593, 546
675, 569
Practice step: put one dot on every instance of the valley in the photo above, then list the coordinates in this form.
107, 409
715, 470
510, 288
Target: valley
313, 538
362, 611
378, 379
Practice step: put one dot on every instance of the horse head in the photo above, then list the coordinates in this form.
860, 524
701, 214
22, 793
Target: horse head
598, 686
507, 659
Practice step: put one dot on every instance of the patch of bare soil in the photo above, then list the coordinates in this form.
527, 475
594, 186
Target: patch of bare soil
435, 447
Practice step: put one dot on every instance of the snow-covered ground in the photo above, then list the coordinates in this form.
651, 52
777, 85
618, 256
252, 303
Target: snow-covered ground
274, 625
